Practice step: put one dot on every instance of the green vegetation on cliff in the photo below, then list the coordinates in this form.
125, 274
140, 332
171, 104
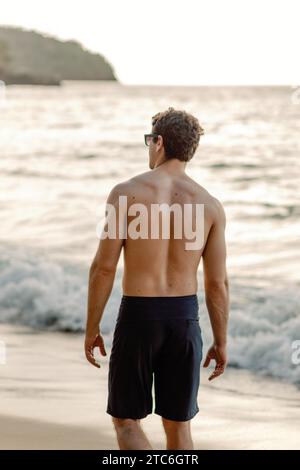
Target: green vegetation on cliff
31, 57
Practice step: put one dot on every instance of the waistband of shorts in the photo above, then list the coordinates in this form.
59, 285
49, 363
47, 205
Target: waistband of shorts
162, 307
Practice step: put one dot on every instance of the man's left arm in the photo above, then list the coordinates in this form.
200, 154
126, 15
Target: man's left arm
101, 278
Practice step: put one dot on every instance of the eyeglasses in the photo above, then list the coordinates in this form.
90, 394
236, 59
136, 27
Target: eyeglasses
148, 137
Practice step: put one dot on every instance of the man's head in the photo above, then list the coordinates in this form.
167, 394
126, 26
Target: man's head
176, 135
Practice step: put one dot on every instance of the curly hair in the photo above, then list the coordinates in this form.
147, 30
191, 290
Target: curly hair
180, 132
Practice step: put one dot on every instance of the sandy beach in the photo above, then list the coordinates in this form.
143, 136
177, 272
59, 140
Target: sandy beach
51, 398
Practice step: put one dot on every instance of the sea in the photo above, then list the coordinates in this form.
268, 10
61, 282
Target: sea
62, 149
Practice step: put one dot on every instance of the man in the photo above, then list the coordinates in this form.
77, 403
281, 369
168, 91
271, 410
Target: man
157, 333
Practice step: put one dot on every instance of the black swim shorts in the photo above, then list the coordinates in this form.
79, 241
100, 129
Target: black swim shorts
155, 338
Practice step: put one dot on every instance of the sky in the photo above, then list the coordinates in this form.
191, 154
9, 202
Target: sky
176, 42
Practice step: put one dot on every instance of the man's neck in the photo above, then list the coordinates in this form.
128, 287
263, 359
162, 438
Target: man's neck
171, 165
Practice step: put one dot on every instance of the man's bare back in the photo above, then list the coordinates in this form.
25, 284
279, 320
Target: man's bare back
163, 267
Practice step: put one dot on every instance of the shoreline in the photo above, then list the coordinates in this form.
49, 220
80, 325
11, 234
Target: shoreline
51, 398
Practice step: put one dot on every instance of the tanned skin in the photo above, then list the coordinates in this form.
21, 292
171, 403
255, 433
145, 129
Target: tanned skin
162, 267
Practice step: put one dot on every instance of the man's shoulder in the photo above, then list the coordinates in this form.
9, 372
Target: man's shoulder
218, 211
126, 187
212, 204
202, 193
134, 181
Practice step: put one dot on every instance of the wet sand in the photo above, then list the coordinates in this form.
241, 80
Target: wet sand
51, 398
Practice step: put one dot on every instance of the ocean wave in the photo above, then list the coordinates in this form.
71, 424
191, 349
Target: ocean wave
45, 294
50, 295
262, 329
41, 294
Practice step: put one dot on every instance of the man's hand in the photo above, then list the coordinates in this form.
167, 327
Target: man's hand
218, 353
91, 342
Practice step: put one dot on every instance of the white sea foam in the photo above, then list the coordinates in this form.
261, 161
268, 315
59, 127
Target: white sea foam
50, 295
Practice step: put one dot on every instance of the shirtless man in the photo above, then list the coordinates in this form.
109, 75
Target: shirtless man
157, 332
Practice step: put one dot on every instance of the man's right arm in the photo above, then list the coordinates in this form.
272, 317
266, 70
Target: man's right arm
216, 287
